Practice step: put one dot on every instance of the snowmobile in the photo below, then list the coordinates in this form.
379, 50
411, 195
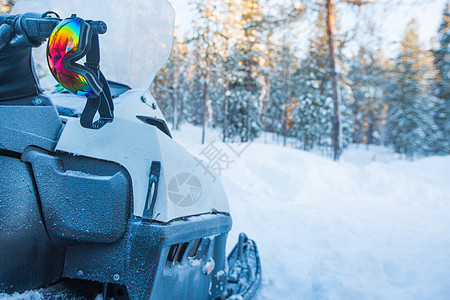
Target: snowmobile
96, 198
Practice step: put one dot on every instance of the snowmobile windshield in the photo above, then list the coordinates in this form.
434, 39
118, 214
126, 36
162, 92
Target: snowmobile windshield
135, 47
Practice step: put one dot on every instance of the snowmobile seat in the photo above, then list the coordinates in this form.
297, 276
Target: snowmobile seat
29, 121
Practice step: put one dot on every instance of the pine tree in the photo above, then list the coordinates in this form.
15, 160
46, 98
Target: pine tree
410, 125
313, 115
442, 57
368, 83
280, 102
245, 86
228, 29
442, 88
171, 83
203, 85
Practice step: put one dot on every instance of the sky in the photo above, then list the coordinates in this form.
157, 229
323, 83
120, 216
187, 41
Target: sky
391, 21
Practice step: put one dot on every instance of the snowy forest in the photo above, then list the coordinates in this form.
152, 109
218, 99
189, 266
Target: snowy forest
240, 70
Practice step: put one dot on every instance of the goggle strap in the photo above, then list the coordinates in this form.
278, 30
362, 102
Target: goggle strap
106, 107
93, 55
102, 104
89, 111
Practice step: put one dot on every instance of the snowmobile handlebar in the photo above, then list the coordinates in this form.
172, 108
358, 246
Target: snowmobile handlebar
27, 30
98, 27
32, 29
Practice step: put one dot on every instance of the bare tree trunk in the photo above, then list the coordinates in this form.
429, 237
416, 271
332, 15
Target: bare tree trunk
249, 89
175, 115
205, 91
334, 80
285, 129
174, 98
180, 115
305, 141
288, 100
225, 118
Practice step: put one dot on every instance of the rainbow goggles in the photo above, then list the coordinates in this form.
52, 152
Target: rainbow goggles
72, 40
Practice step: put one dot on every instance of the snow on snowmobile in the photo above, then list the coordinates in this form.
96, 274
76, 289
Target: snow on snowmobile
96, 198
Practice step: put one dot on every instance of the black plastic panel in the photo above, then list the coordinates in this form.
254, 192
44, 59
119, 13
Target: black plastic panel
139, 260
28, 259
158, 123
83, 200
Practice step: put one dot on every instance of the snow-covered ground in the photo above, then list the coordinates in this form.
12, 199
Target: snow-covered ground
371, 226
368, 227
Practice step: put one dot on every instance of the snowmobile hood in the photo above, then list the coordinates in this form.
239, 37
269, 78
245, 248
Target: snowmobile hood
138, 41
184, 189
